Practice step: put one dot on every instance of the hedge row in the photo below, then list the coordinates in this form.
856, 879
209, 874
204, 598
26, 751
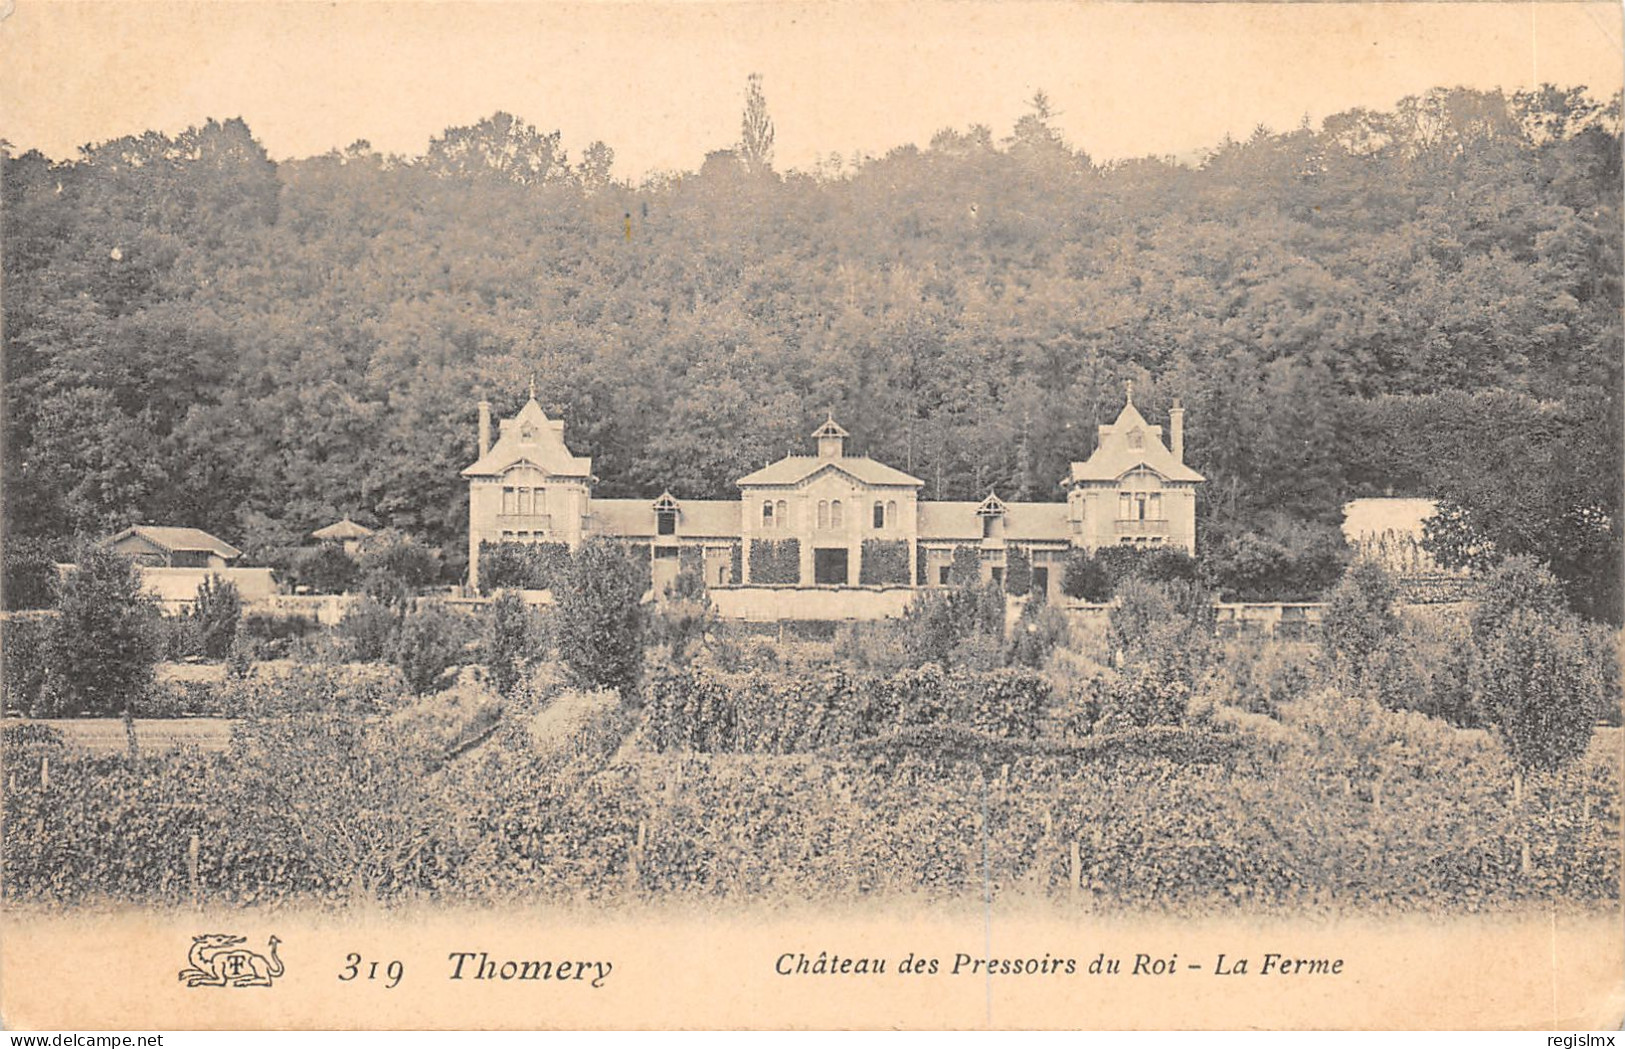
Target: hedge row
522, 566
694, 708
309, 688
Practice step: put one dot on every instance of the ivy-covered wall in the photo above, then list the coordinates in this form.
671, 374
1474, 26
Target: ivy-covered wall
1018, 572
775, 562
885, 563
967, 569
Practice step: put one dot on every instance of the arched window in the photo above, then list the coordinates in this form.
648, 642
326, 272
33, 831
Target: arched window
891, 513
783, 514
823, 513
767, 515
835, 514
880, 514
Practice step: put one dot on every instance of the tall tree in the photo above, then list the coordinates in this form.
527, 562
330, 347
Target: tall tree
756, 129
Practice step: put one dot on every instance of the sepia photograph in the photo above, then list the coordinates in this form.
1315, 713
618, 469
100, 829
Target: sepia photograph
858, 515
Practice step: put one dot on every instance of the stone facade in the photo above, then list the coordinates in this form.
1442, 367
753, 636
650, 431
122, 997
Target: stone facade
838, 509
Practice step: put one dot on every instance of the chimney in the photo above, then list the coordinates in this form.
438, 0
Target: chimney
1176, 430
485, 427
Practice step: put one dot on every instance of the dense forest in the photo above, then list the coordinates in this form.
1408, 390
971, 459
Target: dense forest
1424, 302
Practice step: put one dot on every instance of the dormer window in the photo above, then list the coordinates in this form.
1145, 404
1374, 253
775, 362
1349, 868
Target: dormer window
665, 509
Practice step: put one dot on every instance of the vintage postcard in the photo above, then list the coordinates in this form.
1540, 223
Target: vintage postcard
811, 515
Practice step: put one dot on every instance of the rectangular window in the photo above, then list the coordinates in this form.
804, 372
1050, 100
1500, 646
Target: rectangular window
666, 522
943, 574
1125, 507
880, 514
508, 501
1156, 507
665, 553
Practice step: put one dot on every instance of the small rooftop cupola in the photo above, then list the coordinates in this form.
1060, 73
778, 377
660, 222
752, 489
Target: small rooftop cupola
991, 512
831, 439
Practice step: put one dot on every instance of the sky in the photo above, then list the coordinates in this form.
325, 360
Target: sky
664, 83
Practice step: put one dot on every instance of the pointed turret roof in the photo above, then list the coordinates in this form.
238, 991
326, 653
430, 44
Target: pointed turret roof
1128, 443
530, 437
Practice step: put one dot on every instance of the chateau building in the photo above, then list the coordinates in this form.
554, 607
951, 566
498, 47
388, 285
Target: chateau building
831, 519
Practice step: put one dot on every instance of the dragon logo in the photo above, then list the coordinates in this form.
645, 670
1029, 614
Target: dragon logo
216, 960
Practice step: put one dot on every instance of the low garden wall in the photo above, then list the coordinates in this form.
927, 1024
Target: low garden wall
832, 603
176, 588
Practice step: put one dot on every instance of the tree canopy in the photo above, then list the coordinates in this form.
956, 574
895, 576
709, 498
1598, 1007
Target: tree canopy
197, 335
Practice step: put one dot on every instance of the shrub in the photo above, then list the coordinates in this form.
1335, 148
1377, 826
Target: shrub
1162, 637
1038, 631
938, 623
775, 562
685, 614
601, 619
326, 569
640, 560
876, 647
30, 573
25, 650
522, 566
308, 688
396, 567
105, 643
217, 610
512, 641
885, 563
1359, 617
368, 631
1287, 560
1517, 584
1539, 688
429, 642
275, 636
179, 637
1018, 572
1266, 675
1085, 578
